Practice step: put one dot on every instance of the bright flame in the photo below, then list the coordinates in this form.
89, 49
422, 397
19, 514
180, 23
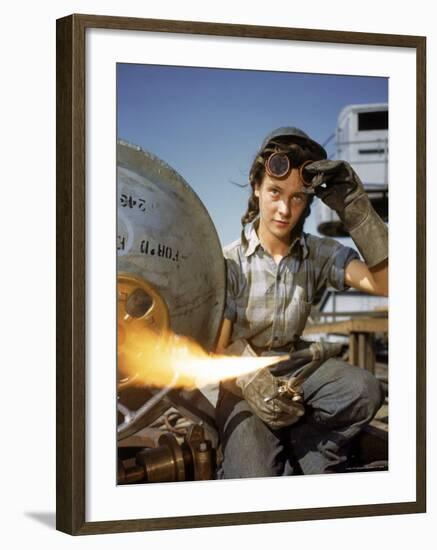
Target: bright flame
162, 360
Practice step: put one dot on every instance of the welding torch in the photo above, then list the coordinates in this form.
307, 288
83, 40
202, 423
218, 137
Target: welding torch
319, 353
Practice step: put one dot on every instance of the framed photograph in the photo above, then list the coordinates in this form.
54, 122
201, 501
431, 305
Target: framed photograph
171, 143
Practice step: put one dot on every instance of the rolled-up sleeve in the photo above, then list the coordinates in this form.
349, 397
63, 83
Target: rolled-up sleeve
332, 260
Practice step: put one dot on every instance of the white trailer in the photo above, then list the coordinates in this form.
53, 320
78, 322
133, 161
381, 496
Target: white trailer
361, 138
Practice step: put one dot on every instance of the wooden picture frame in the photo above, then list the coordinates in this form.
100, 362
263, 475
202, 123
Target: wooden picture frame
71, 272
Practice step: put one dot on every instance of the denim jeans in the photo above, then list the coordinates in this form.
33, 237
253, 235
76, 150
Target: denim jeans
339, 400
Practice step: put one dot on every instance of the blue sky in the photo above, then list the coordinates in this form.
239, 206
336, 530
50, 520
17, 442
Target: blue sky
207, 124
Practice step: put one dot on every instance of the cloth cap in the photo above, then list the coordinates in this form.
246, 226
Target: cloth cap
298, 136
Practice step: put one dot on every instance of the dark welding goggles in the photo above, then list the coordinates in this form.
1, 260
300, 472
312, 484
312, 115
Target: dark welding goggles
279, 165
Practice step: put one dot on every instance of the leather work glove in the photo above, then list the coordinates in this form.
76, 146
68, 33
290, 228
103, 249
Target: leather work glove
338, 186
266, 395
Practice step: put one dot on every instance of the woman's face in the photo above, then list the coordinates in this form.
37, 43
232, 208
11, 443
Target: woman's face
281, 204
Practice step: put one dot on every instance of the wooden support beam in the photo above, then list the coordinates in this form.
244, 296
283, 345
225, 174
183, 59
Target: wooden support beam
353, 348
363, 324
361, 332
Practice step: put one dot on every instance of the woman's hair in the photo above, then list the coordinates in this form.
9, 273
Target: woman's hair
299, 153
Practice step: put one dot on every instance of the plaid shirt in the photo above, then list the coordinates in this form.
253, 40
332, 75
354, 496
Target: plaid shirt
269, 303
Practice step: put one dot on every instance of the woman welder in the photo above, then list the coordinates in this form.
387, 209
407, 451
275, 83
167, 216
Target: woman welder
274, 271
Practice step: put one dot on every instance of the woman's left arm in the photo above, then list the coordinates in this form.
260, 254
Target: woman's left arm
371, 280
224, 338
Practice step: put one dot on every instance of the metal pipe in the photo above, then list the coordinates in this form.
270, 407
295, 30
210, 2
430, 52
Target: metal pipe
148, 405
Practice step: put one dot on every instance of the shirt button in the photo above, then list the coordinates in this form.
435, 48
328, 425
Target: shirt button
278, 278
276, 338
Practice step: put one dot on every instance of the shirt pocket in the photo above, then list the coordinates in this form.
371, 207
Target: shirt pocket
298, 312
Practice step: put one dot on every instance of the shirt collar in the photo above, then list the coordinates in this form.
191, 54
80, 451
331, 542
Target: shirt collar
251, 242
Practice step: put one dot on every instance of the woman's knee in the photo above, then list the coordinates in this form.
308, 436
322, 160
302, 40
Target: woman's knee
349, 394
368, 391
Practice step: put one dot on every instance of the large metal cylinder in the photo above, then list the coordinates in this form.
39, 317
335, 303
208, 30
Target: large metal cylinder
166, 238
170, 274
